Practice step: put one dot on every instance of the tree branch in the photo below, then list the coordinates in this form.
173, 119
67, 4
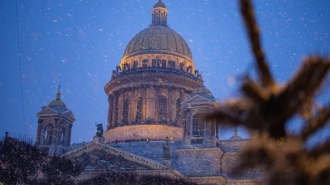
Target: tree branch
253, 32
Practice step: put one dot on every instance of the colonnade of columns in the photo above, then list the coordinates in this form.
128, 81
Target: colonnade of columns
159, 106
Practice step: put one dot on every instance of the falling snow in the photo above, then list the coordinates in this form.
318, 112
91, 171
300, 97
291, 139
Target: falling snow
77, 44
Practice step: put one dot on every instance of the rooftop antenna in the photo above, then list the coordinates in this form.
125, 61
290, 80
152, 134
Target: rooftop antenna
20, 67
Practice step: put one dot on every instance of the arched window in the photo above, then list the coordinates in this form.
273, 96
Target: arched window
125, 111
138, 117
198, 126
48, 134
162, 114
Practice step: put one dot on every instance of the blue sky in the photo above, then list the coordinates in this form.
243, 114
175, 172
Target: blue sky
77, 44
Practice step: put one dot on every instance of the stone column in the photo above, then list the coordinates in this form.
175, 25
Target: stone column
39, 141
57, 132
157, 105
115, 110
110, 111
132, 105
144, 104
120, 107
180, 112
125, 97
212, 129
69, 131
169, 105
42, 134
187, 124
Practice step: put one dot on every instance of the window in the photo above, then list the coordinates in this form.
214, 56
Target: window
163, 64
198, 126
138, 117
125, 111
145, 63
116, 109
153, 62
171, 64
63, 136
162, 109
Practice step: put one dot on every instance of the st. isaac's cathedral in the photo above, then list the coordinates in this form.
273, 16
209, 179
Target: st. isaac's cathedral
156, 97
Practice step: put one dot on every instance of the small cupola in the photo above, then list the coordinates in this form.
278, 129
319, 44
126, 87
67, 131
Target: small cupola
159, 14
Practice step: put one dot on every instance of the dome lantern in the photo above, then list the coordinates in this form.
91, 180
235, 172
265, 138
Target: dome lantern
58, 104
155, 42
159, 14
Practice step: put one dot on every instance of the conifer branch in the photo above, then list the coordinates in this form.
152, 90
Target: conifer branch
252, 90
316, 123
266, 108
253, 32
319, 150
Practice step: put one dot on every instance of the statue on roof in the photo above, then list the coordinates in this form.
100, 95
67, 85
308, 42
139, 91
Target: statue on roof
99, 130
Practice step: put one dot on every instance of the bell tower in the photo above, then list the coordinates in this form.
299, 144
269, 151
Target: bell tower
196, 131
54, 126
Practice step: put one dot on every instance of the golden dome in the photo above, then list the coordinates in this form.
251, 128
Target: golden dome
57, 103
158, 38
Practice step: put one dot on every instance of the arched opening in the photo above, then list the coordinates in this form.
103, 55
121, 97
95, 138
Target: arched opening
138, 117
198, 127
48, 134
162, 114
125, 112
63, 136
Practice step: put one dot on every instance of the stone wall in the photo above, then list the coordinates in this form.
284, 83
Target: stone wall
228, 161
199, 162
143, 132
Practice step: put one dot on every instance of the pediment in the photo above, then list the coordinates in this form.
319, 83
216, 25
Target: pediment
100, 160
101, 157
197, 99
47, 110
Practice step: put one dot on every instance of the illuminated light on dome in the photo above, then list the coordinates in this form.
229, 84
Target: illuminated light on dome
146, 90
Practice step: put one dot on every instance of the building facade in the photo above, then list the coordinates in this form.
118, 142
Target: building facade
156, 98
